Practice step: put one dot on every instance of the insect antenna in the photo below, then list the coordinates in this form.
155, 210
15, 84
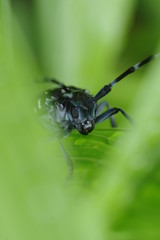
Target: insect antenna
107, 88
54, 81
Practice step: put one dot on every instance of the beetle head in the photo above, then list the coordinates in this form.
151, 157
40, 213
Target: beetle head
83, 112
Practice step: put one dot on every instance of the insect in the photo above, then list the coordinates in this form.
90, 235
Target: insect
69, 107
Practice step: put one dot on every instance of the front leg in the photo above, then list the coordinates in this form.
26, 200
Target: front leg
68, 161
100, 107
110, 112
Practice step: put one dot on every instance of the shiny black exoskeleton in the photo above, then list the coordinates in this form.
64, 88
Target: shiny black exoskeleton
69, 108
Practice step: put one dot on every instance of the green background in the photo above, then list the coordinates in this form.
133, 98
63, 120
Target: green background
115, 190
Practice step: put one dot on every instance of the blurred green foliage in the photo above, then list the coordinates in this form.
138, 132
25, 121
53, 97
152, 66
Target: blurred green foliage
114, 193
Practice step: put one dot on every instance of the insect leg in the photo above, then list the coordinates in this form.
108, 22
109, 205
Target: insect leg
101, 106
68, 161
107, 88
110, 112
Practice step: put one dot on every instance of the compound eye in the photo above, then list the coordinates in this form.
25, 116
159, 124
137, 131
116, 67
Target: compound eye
75, 112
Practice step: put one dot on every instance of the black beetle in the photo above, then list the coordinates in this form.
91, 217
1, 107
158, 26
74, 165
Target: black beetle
70, 108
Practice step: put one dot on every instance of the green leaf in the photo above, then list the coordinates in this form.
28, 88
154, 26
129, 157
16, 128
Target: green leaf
87, 152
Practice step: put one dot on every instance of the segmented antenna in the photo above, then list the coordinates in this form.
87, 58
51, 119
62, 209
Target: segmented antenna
107, 88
